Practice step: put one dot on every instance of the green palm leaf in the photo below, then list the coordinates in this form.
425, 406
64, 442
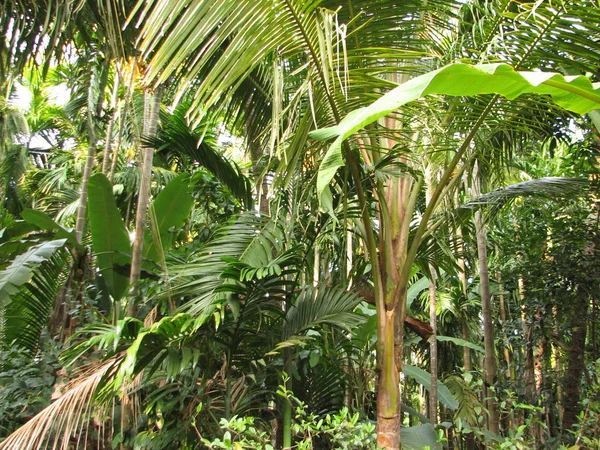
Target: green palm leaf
177, 140
315, 307
22, 268
27, 315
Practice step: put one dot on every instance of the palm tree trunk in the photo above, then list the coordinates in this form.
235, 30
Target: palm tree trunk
143, 198
433, 347
557, 367
529, 373
111, 125
488, 330
92, 117
462, 275
510, 371
122, 120
576, 360
391, 309
287, 405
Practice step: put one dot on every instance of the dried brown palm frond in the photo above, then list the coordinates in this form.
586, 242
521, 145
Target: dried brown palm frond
63, 423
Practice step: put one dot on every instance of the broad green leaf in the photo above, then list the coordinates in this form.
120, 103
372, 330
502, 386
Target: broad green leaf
16, 229
574, 93
424, 378
171, 208
45, 222
420, 437
461, 342
110, 240
415, 289
22, 268
413, 412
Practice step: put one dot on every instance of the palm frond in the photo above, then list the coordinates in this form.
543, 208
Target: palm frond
27, 315
22, 268
319, 306
176, 139
548, 187
65, 420
197, 281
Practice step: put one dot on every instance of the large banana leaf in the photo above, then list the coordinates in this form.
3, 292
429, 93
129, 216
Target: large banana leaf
171, 208
574, 93
21, 270
110, 240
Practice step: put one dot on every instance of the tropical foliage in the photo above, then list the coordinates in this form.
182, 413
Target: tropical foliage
299, 224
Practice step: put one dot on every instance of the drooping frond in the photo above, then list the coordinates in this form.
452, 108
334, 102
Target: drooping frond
176, 140
549, 187
66, 420
322, 305
27, 315
22, 268
249, 239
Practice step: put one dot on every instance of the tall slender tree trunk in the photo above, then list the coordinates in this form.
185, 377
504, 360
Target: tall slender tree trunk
111, 124
576, 361
94, 113
510, 373
528, 372
122, 120
557, 368
391, 309
462, 275
433, 348
488, 330
510, 370
433, 344
143, 197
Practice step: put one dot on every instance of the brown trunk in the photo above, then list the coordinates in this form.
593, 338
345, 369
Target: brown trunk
433, 351
488, 330
576, 362
391, 310
510, 370
468, 366
388, 384
529, 372
557, 367
462, 275
510, 367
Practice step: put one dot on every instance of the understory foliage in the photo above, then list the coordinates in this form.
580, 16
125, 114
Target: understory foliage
299, 224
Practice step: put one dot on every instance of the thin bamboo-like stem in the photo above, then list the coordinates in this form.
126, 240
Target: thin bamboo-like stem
433, 347
90, 161
111, 125
486, 307
122, 120
143, 200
